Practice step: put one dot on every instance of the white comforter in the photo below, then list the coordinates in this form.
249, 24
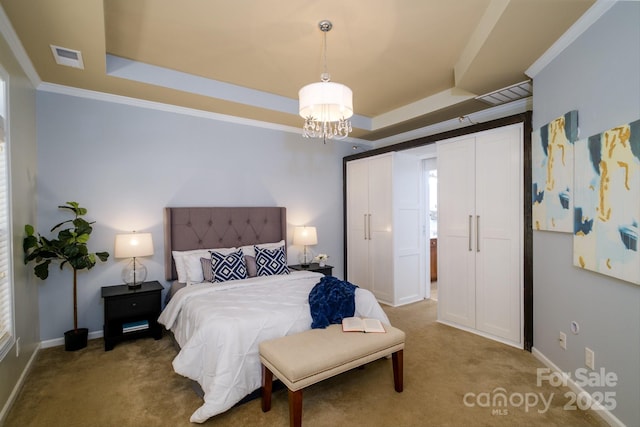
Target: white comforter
219, 326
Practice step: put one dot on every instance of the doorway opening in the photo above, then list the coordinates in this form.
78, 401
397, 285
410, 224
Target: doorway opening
430, 174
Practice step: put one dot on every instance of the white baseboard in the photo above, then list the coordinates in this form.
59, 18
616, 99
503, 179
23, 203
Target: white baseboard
16, 389
604, 413
60, 341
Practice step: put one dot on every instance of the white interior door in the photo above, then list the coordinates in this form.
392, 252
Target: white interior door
357, 224
456, 232
499, 212
381, 223
408, 232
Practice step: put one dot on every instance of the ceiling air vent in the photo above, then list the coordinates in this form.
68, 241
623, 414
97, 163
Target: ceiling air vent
508, 94
68, 57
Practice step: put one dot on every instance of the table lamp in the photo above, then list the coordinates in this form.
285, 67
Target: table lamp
134, 245
305, 236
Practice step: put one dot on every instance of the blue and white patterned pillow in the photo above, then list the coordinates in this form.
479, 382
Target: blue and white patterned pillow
271, 261
227, 267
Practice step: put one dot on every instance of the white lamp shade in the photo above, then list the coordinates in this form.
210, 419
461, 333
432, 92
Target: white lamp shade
326, 101
305, 236
133, 245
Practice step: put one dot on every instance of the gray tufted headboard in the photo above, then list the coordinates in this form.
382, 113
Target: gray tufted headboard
219, 227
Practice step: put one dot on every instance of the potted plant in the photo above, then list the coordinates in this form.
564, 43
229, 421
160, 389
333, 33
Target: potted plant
70, 247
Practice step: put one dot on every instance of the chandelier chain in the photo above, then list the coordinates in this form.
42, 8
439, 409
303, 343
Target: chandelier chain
325, 76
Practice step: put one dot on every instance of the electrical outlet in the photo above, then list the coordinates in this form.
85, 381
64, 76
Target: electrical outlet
562, 340
589, 358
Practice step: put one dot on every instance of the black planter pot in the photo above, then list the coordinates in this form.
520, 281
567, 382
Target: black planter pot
75, 339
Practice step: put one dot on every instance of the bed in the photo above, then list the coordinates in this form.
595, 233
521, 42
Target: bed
218, 325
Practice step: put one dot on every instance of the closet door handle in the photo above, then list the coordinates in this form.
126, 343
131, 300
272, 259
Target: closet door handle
365, 226
470, 225
477, 233
369, 226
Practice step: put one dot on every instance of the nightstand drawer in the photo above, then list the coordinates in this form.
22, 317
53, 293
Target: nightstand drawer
131, 306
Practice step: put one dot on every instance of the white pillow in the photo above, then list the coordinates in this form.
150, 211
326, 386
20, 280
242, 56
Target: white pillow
193, 266
179, 261
182, 258
249, 251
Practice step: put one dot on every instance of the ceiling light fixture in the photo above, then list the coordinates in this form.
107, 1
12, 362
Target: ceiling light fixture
326, 106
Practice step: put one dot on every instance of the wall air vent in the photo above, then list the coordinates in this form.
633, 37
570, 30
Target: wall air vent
508, 94
68, 57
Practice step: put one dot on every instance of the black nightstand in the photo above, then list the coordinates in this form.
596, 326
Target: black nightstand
314, 266
126, 308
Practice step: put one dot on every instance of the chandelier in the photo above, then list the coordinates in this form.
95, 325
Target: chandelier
326, 106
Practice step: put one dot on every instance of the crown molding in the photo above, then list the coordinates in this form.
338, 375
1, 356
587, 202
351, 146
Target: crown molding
152, 105
599, 8
9, 34
141, 103
499, 111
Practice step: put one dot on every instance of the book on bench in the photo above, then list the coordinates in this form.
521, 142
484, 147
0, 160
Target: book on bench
359, 324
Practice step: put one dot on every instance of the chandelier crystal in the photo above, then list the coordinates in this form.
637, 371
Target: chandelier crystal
326, 106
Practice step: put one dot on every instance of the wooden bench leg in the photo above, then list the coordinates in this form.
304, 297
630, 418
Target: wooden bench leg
267, 387
397, 370
295, 408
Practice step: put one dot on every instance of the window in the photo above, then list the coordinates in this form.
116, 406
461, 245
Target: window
6, 297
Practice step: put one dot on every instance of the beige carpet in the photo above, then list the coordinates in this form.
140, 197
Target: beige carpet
134, 385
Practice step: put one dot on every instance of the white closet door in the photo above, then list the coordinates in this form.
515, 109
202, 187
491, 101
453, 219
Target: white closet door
383, 227
381, 255
456, 232
408, 233
357, 224
498, 212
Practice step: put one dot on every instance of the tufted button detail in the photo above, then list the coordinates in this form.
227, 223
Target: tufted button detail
199, 242
210, 223
220, 240
230, 222
189, 224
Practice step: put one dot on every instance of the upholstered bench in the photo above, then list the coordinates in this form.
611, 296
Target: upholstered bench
309, 357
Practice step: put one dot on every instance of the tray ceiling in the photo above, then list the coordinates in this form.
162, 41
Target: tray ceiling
408, 62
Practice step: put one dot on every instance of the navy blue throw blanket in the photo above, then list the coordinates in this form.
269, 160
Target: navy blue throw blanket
330, 301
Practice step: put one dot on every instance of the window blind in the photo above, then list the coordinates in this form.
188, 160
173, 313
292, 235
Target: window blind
6, 299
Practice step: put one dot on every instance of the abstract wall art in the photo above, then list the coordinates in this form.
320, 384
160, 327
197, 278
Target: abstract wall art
552, 154
607, 203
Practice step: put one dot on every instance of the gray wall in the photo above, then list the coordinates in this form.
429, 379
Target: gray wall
126, 163
22, 141
598, 75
